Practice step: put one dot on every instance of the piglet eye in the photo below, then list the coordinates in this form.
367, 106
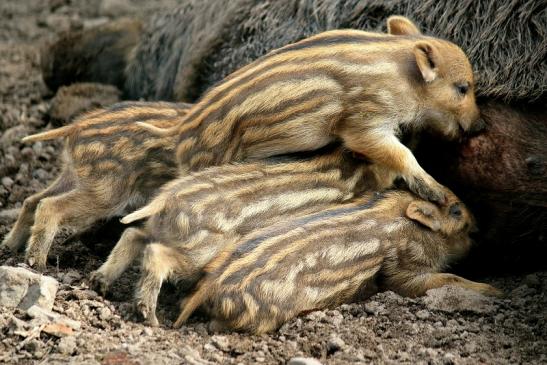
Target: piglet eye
455, 210
462, 88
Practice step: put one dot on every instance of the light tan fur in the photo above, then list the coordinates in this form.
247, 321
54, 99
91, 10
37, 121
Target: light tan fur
365, 89
109, 165
195, 216
395, 241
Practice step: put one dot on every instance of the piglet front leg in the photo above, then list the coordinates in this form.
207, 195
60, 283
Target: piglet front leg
383, 148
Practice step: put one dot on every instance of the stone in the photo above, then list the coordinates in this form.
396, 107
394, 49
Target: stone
9, 215
316, 316
17, 326
60, 23
221, 343
335, 343
58, 329
115, 8
22, 288
7, 181
105, 314
374, 308
451, 299
71, 277
532, 281
303, 361
67, 345
423, 314
48, 316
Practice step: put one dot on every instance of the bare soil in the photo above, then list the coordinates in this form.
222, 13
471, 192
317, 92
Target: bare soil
384, 329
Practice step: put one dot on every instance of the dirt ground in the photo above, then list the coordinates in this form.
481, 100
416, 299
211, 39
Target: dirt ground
384, 329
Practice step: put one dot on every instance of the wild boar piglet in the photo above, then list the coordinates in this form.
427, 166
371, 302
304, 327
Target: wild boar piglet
110, 166
332, 257
362, 88
196, 215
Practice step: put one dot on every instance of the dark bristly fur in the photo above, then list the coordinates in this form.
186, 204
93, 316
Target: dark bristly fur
96, 55
184, 51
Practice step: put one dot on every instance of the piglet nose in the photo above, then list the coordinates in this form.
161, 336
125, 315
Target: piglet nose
478, 126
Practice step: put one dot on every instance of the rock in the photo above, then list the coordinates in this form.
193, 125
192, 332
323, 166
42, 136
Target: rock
423, 314
9, 215
17, 326
334, 317
374, 308
82, 294
32, 346
522, 291
7, 182
67, 345
94, 22
105, 314
75, 99
303, 361
70, 277
117, 358
115, 8
44, 315
532, 281
58, 329
60, 23
221, 343
456, 299
13, 134
40, 174
316, 316
22, 288
335, 343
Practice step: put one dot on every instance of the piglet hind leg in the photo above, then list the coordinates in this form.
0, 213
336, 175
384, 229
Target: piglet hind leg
129, 247
159, 263
420, 284
20, 233
75, 210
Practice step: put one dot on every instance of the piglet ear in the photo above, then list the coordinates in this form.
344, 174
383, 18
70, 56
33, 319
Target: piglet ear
399, 25
424, 213
427, 59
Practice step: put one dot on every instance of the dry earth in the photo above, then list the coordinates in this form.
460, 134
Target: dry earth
464, 329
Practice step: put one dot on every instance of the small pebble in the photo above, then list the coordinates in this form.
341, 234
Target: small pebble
532, 281
7, 182
303, 361
335, 343
67, 345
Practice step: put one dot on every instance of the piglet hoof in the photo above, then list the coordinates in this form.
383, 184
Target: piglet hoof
491, 291
148, 315
38, 264
432, 191
99, 283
